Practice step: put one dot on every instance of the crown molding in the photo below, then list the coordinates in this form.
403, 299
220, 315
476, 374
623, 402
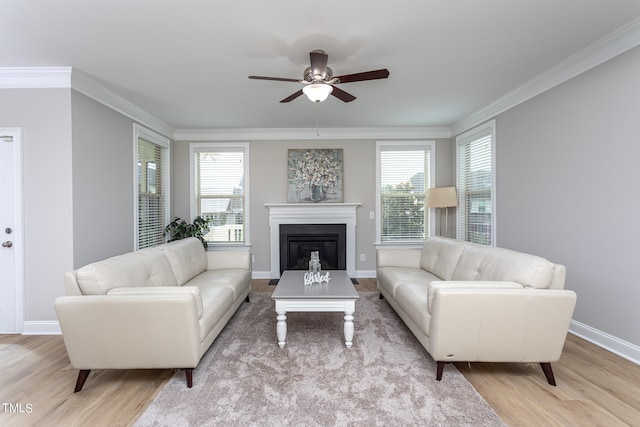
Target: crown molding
85, 84
610, 46
35, 77
270, 134
68, 77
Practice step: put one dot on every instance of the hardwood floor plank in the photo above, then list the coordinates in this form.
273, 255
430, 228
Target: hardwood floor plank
595, 387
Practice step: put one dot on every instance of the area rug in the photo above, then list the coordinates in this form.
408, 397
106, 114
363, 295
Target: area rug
385, 379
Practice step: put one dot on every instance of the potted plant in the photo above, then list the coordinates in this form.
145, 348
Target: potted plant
180, 229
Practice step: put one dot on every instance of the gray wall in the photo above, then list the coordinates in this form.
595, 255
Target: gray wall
268, 171
45, 118
103, 181
77, 187
567, 188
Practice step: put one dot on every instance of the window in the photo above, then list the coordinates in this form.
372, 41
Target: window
404, 172
476, 199
152, 189
220, 183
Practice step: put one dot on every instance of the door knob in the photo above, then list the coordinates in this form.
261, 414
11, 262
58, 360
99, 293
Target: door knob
7, 244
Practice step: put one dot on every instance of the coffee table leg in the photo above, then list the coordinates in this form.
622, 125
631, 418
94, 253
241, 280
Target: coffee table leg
281, 328
348, 328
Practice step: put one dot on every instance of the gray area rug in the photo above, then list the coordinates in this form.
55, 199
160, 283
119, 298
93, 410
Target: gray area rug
385, 379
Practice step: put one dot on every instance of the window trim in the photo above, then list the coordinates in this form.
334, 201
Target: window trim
429, 145
487, 128
141, 132
218, 146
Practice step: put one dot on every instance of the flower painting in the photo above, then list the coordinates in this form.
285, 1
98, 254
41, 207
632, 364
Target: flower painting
315, 176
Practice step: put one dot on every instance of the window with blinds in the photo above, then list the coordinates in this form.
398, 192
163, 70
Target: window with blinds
475, 185
404, 174
152, 191
220, 181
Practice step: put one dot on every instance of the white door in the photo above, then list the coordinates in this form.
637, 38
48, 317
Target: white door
11, 306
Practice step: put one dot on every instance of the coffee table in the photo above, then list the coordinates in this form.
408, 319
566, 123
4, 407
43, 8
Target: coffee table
291, 294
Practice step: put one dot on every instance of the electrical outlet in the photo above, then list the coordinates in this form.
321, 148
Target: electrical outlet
362, 257
372, 215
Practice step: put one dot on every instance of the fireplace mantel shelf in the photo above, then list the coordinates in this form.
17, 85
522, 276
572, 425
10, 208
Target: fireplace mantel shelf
309, 213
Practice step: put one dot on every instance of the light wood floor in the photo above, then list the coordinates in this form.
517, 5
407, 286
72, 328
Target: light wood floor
595, 387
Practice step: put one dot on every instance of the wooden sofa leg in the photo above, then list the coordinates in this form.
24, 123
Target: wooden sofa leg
82, 377
381, 296
189, 374
247, 298
439, 370
548, 372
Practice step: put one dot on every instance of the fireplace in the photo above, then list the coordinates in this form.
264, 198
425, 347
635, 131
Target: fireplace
297, 241
312, 213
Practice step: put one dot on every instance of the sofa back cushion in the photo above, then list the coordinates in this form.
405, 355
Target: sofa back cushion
147, 267
440, 256
479, 262
187, 258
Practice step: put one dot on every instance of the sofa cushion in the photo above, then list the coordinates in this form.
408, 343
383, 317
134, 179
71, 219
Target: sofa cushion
236, 279
412, 299
147, 267
440, 256
187, 258
391, 277
479, 262
216, 301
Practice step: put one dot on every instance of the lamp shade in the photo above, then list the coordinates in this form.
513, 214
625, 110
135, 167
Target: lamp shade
442, 197
317, 92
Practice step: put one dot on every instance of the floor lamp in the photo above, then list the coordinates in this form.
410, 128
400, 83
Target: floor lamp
443, 197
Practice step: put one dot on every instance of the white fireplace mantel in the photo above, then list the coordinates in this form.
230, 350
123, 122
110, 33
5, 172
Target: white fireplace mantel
312, 213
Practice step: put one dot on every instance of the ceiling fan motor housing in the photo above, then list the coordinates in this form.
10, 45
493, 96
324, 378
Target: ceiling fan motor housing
313, 76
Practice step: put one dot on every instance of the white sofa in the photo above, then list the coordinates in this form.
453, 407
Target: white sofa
156, 308
473, 303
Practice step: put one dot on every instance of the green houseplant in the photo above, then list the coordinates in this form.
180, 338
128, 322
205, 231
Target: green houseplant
180, 229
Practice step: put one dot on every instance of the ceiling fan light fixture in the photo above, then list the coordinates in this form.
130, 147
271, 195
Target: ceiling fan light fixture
317, 92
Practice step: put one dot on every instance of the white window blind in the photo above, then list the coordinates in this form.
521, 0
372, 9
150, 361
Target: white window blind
475, 185
220, 192
404, 176
152, 200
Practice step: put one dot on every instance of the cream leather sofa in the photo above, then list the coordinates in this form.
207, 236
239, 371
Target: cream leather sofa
473, 303
156, 308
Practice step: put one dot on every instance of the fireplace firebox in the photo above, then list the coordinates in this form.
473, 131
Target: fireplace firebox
297, 241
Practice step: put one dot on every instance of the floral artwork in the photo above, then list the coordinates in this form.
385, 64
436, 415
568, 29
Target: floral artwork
315, 176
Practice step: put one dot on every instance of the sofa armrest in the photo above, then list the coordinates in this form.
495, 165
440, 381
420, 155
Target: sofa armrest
398, 258
130, 331
500, 325
464, 284
222, 260
160, 290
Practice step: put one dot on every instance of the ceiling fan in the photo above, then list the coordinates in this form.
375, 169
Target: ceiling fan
319, 80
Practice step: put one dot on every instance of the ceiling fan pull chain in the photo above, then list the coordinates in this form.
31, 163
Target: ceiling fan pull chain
316, 114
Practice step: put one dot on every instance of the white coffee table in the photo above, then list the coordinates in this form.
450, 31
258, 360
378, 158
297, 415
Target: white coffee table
291, 294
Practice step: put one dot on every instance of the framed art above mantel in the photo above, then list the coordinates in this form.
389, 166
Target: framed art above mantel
315, 175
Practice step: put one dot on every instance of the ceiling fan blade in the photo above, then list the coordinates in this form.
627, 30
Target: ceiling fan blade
280, 79
318, 63
342, 95
292, 96
367, 75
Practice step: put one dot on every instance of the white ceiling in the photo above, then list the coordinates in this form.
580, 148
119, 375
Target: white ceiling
186, 62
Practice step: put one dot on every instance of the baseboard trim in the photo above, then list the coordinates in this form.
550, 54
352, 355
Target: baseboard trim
261, 274
365, 274
610, 343
42, 327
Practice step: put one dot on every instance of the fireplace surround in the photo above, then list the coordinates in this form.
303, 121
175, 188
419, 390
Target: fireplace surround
312, 213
